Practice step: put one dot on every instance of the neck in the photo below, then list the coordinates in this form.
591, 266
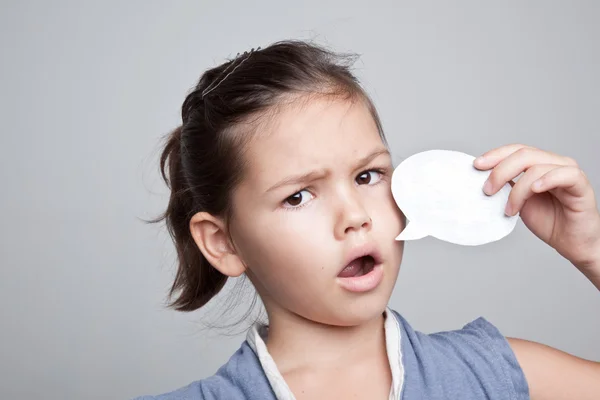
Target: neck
295, 342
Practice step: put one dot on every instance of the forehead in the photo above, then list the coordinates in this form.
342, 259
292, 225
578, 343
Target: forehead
311, 134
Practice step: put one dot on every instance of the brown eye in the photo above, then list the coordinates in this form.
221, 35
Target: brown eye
296, 200
365, 177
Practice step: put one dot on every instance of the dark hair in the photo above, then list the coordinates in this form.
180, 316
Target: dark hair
202, 160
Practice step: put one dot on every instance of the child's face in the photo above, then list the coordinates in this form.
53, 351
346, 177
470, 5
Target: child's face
295, 247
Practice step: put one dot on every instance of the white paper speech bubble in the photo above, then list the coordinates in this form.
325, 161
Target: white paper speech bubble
441, 194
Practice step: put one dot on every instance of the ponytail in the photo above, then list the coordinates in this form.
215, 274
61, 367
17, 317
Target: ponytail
196, 280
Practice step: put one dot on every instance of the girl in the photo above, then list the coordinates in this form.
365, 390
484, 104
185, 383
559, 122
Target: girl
281, 171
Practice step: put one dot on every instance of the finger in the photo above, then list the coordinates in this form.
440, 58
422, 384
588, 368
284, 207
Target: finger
517, 163
571, 179
522, 190
493, 157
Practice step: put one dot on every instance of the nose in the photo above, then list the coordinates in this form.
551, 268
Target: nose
352, 216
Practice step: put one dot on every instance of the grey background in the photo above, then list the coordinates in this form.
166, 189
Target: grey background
87, 90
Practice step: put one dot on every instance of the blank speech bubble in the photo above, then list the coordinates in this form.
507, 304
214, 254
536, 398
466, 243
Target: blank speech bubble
441, 194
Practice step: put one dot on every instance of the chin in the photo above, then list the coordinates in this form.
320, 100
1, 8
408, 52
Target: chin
354, 309
358, 310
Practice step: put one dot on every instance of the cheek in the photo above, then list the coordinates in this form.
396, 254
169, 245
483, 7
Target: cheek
282, 245
387, 214
395, 223
279, 246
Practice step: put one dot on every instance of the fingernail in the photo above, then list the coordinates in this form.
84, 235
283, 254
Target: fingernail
479, 159
508, 210
537, 185
487, 187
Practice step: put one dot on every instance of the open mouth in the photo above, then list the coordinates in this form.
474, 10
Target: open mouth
358, 267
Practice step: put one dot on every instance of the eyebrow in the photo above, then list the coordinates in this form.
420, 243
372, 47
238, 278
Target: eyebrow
313, 175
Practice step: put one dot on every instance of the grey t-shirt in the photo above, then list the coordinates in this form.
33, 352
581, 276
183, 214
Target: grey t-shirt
472, 363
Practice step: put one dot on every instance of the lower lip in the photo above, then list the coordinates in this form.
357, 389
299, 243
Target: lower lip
363, 283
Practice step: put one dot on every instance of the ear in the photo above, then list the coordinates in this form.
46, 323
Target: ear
211, 237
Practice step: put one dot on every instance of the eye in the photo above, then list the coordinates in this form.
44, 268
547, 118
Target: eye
365, 177
296, 200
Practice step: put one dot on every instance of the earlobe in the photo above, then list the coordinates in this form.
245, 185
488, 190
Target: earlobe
211, 237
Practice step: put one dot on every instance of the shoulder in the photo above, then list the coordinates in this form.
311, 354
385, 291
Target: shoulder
475, 359
241, 377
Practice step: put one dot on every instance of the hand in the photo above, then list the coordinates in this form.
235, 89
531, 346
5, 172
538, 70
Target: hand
554, 197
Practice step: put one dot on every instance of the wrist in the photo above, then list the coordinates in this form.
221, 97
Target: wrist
591, 268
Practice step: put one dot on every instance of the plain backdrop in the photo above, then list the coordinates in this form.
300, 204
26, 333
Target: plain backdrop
89, 88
